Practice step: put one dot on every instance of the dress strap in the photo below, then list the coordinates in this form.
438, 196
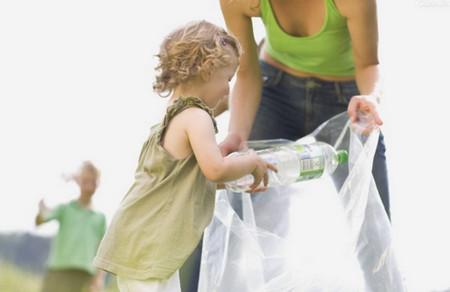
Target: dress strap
179, 105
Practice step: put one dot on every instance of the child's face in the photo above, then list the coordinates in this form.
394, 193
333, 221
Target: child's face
218, 87
87, 181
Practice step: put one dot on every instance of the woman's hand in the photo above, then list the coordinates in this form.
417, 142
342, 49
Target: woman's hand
232, 143
363, 113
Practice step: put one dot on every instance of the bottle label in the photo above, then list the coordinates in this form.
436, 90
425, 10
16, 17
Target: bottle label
312, 162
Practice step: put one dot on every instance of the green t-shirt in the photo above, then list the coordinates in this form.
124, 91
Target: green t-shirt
80, 232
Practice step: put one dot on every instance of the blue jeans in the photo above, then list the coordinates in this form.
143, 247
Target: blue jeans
292, 107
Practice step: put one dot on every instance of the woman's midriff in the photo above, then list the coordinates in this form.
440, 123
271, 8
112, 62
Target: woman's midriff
270, 60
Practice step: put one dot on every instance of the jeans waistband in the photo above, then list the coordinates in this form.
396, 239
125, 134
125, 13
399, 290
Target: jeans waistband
272, 72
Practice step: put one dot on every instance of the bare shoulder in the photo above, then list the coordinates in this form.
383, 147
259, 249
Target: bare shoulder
248, 8
351, 8
194, 117
194, 111
188, 119
191, 121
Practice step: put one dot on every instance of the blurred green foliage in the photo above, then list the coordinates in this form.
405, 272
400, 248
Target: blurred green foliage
14, 279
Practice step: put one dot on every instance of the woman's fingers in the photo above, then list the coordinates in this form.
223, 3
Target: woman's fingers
230, 144
364, 114
377, 117
352, 109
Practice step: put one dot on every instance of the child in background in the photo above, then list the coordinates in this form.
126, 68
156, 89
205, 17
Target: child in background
81, 228
162, 217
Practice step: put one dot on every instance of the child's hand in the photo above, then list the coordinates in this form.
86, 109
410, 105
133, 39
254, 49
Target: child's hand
42, 207
260, 173
42, 213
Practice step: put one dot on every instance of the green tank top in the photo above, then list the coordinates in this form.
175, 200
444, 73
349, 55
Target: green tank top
327, 52
162, 217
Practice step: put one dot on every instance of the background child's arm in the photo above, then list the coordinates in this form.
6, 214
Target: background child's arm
46, 214
43, 211
98, 282
215, 167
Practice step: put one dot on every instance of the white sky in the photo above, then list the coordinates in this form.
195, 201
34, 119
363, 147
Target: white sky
76, 80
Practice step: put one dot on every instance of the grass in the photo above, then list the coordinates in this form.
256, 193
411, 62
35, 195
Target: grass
14, 279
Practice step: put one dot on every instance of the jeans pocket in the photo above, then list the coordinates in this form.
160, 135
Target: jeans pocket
269, 74
265, 79
269, 79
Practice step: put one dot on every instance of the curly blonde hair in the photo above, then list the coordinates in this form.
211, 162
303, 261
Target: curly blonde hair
194, 50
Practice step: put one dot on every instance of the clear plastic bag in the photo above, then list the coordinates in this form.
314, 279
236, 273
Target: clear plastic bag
330, 234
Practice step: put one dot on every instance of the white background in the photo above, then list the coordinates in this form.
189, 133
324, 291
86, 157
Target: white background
76, 83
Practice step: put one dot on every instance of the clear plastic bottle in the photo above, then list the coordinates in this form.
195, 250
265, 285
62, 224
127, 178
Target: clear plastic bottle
295, 162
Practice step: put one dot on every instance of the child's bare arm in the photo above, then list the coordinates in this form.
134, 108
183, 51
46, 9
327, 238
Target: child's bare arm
215, 167
97, 282
46, 214
38, 220
201, 135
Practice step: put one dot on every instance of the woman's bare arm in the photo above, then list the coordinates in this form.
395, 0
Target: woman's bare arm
362, 24
246, 94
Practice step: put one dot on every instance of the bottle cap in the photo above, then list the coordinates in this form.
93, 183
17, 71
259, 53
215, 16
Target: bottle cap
342, 156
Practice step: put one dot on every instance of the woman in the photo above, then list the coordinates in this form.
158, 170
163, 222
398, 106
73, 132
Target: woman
319, 59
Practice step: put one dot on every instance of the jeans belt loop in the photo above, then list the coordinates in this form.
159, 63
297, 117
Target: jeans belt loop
278, 77
338, 89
